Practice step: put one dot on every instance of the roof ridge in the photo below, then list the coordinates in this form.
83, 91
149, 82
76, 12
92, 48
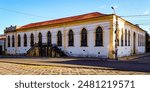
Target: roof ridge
67, 17
61, 20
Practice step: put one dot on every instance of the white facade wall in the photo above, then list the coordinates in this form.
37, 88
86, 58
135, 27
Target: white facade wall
76, 50
91, 50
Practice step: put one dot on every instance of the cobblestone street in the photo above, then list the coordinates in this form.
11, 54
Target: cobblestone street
20, 69
133, 65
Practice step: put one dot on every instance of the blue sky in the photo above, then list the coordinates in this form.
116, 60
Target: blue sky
12, 11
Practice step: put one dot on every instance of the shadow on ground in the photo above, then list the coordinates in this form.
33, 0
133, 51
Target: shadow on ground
115, 65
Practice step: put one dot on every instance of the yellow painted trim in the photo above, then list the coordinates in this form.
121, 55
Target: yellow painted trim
68, 24
64, 37
111, 35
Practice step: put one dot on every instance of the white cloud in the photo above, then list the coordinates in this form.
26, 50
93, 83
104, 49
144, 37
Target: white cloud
104, 6
146, 12
108, 6
116, 6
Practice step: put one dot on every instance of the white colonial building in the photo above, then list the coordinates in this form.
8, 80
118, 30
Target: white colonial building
88, 35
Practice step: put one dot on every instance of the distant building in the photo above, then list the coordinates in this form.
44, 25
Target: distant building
2, 44
88, 35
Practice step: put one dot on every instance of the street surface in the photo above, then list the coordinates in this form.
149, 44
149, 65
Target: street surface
74, 66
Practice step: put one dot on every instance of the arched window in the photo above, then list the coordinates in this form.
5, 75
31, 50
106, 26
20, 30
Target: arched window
138, 40
84, 37
122, 38
48, 38
125, 37
129, 38
134, 42
32, 40
8, 39
118, 38
40, 39
59, 38
25, 40
71, 38
13, 41
141, 40
99, 37
19, 40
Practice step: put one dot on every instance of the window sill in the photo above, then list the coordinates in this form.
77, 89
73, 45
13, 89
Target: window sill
99, 46
71, 46
83, 46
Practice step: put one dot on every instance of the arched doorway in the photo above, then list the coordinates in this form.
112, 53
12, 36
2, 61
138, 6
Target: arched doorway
84, 37
40, 39
40, 44
32, 40
59, 38
134, 43
49, 50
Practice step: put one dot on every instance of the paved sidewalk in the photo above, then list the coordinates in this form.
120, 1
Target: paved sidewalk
20, 69
133, 57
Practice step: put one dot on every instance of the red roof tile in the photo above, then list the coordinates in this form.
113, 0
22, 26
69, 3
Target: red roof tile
63, 20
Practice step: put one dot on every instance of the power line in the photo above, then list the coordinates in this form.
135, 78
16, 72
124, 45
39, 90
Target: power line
34, 15
144, 15
143, 24
39, 16
24, 13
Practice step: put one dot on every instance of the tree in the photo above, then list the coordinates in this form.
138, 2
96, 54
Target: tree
147, 42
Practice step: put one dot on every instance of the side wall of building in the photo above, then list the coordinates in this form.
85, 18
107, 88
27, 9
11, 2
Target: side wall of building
133, 39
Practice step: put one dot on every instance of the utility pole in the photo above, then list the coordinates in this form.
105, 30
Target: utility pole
116, 37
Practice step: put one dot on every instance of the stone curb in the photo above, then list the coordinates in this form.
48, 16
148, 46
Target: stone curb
134, 57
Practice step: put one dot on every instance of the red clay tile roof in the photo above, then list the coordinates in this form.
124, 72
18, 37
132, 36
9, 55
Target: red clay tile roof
63, 20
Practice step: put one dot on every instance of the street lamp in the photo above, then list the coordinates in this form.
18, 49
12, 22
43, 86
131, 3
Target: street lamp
116, 32
113, 10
